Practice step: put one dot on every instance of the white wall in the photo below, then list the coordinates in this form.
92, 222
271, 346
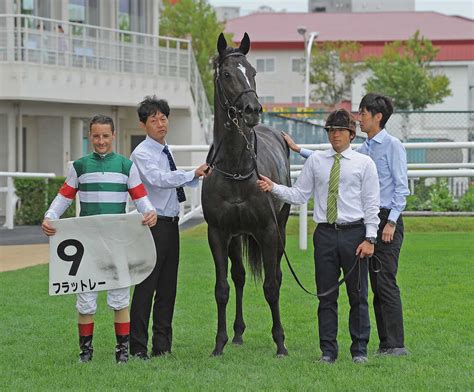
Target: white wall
50, 146
283, 83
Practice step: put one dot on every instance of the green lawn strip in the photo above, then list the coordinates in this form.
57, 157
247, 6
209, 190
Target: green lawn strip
40, 348
412, 224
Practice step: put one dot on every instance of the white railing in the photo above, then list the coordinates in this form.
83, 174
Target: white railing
11, 195
35, 40
451, 170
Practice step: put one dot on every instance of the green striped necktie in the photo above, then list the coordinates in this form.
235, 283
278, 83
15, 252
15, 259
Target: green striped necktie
333, 189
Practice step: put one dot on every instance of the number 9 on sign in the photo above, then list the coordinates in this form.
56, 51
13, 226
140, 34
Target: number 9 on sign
76, 257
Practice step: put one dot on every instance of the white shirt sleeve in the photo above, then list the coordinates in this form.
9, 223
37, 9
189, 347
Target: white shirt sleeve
155, 176
303, 188
370, 195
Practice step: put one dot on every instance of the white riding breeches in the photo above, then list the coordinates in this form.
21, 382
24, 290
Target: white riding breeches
117, 299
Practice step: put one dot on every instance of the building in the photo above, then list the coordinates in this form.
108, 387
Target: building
61, 62
225, 13
360, 5
277, 53
277, 49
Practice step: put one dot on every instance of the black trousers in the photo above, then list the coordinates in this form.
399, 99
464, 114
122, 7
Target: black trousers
161, 284
335, 250
387, 301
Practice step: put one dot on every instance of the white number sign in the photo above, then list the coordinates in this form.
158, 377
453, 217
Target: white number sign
100, 252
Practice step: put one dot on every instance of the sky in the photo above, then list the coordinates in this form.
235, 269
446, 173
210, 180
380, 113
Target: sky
448, 7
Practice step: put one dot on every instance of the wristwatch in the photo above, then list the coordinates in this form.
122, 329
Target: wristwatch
392, 223
372, 240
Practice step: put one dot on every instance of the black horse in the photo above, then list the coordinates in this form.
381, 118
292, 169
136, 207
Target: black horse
239, 216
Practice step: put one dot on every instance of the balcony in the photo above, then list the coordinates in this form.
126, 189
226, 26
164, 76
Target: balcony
38, 61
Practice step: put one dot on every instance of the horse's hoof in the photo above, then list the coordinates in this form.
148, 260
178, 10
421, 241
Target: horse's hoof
282, 353
237, 340
217, 353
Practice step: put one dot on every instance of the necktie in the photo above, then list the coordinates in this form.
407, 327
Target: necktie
333, 189
179, 190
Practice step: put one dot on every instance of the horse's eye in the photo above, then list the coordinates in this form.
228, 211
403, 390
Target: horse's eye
227, 75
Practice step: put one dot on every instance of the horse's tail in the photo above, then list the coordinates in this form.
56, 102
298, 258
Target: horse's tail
252, 253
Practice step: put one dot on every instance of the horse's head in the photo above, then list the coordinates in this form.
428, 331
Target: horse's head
235, 82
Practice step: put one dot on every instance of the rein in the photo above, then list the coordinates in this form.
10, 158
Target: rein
371, 260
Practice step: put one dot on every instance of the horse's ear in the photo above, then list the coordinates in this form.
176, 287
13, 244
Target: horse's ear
221, 44
245, 44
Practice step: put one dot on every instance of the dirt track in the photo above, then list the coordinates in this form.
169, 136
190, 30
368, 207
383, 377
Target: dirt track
14, 257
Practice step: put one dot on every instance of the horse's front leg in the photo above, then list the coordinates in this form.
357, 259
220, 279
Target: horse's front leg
238, 276
271, 287
219, 242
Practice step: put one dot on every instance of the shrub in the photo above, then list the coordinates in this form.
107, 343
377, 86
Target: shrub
466, 203
435, 197
35, 195
440, 198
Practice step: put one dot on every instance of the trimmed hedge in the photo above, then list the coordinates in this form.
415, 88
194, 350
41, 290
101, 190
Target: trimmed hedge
35, 195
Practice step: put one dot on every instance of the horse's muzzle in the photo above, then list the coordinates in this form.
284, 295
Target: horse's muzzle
251, 114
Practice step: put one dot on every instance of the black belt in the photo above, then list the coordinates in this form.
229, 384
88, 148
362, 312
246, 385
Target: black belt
168, 218
343, 226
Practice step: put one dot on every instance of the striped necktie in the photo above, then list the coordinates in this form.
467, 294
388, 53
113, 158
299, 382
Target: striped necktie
333, 189
179, 190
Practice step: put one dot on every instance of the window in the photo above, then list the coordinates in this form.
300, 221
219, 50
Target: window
265, 65
266, 99
77, 11
297, 65
297, 99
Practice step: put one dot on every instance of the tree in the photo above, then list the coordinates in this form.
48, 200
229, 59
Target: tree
334, 66
403, 72
195, 19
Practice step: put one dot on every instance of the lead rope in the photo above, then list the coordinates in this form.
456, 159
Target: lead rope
341, 281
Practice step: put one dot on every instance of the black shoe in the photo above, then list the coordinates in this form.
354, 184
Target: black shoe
397, 351
326, 359
85, 344
141, 355
382, 351
159, 353
121, 349
360, 359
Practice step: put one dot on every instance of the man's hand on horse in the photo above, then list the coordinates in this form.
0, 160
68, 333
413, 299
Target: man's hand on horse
149, 218
203, 170
265, 184
47, 228
291, 143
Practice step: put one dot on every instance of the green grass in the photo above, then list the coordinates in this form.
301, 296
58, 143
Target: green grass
38, 333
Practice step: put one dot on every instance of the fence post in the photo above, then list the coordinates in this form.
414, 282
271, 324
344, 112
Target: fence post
10, 207
304, 226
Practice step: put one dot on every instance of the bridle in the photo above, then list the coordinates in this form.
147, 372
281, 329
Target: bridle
235, 115
229, 106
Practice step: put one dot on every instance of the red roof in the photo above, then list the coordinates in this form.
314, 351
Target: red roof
277, 30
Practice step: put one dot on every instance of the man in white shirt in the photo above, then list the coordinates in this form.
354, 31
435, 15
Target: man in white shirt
346, 206
164, 184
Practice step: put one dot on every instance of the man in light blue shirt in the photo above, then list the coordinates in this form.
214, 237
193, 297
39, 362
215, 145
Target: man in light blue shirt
389, 156
390, 159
